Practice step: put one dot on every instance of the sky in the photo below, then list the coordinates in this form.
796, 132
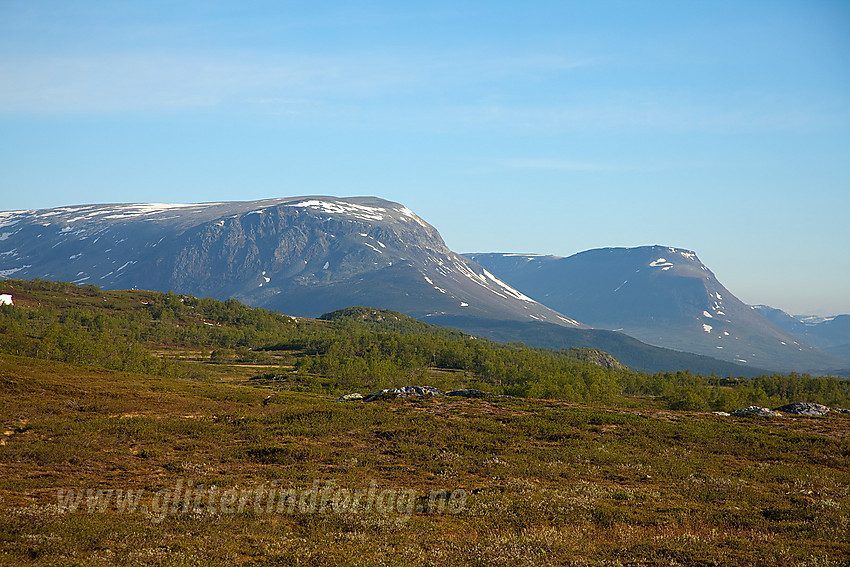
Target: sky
543, 127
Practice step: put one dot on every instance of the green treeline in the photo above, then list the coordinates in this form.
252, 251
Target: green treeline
121, 330
352, 349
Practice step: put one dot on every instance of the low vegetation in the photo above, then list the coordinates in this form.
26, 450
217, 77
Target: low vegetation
159, 394
357, 348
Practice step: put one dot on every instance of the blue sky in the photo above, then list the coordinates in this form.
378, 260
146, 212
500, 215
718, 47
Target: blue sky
548, 127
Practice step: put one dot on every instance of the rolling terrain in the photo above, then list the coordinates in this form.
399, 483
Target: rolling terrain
150, 428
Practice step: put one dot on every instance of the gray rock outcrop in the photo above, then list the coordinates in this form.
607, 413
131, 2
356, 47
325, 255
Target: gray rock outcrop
350, 397
466, 393
409, 391
404, 392
810, 409
755, 410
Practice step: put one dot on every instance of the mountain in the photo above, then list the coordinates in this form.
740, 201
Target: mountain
662, 296
303, 256
830, 334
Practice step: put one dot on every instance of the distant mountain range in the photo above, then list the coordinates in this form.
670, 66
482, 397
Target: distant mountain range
830, 334
310, 255
662, 296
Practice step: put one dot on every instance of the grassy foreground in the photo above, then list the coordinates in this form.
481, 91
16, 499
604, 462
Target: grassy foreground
454, 481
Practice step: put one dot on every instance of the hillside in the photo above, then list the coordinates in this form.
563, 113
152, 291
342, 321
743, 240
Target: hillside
150, 428
633, 353
182, 336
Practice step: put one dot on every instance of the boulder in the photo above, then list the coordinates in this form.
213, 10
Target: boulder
350, 397
755, 410
466, 393
805, 408
403, 392
409, 391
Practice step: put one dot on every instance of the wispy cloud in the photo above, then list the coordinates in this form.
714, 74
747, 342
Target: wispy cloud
134, 82
556, 165
130, 82
622, 165
447, 91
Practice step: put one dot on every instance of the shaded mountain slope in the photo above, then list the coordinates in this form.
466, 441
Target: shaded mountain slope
830, 334
662, 296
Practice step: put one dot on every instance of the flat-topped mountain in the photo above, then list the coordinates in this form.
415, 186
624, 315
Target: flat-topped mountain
662, 296
303, 255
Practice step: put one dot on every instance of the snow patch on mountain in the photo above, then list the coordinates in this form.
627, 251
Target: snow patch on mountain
88, 213
11, 218
412, 216
511, 291
362, 212
568, 320
10, 271
126, 211
812, 320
